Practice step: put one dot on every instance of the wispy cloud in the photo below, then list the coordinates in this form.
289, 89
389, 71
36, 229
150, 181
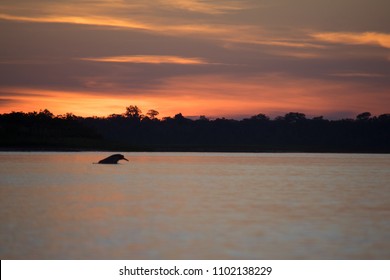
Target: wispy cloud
161, 17
208, 7
7, 101
297, 54
90, 20
264, 38
364, 38
357, 75
159, 26
152, 59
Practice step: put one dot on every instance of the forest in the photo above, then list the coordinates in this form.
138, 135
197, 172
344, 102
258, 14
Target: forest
134, 131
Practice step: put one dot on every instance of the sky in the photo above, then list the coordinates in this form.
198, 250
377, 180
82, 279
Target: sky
221, 58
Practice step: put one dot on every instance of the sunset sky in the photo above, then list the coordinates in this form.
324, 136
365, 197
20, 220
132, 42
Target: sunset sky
221, 58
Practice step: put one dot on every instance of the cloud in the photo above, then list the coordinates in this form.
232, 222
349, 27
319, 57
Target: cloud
154, 18
167, 17
162, 26
7, 101
297, 55
364, 38
158, 16
207, 7
164, 19
91, 20
30, 61
257, 36
358, 75
152, 59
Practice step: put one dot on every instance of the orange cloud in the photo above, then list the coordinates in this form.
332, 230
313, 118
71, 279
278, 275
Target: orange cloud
365, 38
150, 19
296, 54
207, 7
156, 25
153, 59
91, 20
266, 39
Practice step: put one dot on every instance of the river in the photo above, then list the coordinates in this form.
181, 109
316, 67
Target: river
59, 205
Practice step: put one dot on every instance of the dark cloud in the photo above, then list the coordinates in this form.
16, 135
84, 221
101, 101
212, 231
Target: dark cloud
5, 93
6, 101
345, 15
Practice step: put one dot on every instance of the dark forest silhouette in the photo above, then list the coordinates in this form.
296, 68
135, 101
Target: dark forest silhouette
133, 131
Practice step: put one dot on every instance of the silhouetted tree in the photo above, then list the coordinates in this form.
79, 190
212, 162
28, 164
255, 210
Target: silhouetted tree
68, 116
384, 117
294, 117
115, 116
363, 116
132, 131
279, 118
133, 112
203, 118
260, 117
152, 114
319, 118
45, 115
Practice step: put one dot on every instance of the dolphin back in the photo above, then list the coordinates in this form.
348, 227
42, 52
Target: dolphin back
112, 159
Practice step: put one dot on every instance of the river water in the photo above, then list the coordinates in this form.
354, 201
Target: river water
57, 205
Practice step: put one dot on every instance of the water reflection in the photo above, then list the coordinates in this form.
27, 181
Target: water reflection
194, 206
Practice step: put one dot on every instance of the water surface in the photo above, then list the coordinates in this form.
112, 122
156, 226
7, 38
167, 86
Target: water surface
194, 206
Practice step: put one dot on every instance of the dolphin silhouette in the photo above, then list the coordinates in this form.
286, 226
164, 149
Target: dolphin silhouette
112, 159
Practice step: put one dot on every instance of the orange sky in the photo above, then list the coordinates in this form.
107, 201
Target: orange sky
221, 58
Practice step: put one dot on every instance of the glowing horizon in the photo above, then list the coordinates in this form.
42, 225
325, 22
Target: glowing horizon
212, 96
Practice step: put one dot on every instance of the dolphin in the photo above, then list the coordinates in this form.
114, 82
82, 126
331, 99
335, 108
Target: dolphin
112, 159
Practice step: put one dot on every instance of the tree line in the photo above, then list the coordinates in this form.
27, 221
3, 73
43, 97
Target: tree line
134, 131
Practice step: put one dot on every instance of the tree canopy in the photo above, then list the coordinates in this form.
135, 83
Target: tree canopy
133, 131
